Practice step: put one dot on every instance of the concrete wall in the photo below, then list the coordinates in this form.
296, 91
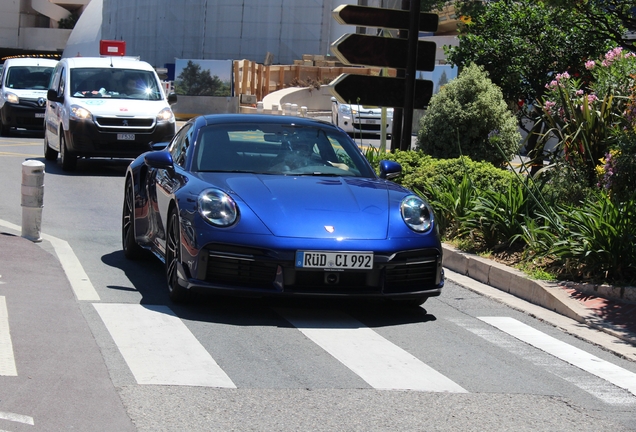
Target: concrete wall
313, 99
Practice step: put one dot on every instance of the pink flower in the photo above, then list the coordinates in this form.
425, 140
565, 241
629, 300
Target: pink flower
590, 64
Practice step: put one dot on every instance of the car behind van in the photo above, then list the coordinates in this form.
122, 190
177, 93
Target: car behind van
105, 107
23, 86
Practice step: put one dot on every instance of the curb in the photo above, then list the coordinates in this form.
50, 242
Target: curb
549, 295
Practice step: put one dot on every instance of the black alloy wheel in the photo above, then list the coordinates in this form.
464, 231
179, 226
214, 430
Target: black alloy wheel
176, 292
131, 248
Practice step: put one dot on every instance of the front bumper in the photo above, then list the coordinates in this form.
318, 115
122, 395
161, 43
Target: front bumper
26, 115
252, 271
89, 139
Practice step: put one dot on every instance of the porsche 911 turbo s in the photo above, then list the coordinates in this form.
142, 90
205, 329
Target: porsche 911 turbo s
269, 205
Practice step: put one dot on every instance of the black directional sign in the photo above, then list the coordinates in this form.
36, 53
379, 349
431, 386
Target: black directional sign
365, 50
365, 16
379, 91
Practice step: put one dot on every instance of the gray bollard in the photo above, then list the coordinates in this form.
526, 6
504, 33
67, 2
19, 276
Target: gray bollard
259, 107
32, 199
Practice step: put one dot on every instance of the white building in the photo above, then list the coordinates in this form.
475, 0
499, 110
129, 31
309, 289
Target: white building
32, 26
160, 31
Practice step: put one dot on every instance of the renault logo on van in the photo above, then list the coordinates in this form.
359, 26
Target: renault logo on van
41, 101
125, 123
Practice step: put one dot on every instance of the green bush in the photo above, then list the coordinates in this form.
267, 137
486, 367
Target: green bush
469, 116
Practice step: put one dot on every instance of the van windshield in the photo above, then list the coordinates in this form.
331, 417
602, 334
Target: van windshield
28, 77
114, 83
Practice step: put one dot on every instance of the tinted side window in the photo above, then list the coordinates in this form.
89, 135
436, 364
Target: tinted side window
180, 144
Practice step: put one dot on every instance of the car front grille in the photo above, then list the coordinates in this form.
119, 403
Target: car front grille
236, 266
240, 272
125, 124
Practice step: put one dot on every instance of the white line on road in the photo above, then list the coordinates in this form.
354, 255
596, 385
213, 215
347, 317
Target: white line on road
610, 372
80, 283
7, 359
19, 418
158, 347
379, 362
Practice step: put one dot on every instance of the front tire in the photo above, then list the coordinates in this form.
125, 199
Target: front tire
176, 292
131, 248
5, 130
68, 159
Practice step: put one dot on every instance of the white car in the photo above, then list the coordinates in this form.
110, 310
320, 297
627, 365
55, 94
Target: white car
360, 119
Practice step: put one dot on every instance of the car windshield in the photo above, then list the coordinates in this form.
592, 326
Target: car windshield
114, 83
29, 77
286, 149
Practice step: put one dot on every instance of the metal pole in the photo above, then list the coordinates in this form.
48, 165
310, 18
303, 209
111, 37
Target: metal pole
396, 131
409, 78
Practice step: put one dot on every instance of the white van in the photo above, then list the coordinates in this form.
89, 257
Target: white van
105, 107
23, 86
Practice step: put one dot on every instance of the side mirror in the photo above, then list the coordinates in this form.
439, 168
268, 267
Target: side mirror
159, 160
390, 169
172, 98
53, 97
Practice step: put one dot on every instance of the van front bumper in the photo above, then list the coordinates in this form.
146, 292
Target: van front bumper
87, 139
25, 115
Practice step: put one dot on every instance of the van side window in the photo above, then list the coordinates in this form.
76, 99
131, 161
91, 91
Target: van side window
179, 146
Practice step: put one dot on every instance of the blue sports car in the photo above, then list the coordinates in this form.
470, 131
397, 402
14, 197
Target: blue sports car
264, 205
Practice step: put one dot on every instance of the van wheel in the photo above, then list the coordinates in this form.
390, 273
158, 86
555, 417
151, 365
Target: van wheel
49, 153
68, 159
4, 130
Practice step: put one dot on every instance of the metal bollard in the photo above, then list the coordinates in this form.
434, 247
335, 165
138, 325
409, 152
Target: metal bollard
287, 110
259, 107
275, 109
32, 199
294, 110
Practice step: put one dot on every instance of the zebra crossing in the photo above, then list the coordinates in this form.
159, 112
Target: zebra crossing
159, 349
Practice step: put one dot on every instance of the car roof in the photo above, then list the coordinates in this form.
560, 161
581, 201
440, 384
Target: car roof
211, 119
114, 62
29, 61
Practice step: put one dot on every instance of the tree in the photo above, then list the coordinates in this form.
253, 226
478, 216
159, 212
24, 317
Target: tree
606, 19
193, 81
469, 117
522, 44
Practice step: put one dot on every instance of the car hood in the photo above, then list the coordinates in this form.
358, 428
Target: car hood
317, 207
121, 107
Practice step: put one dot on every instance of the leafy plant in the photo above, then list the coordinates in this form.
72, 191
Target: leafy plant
461, 116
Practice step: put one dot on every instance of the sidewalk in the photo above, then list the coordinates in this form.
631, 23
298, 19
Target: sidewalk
610, 311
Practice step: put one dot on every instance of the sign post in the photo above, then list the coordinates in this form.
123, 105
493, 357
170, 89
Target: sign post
409, 54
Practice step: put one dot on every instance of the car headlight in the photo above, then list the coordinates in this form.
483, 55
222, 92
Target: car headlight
416, 213
11, 98
217, 207
80, 113
165, 115
344, 109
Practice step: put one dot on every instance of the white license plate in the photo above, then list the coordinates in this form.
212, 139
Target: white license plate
39, 115
126, 137
334, 260
371, 121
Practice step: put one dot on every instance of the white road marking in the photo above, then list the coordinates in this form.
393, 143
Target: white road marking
18, 418
80, 283
7, 359
379, 362
158, 347
596, 366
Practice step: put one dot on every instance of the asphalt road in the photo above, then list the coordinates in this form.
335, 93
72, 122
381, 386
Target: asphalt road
461, 362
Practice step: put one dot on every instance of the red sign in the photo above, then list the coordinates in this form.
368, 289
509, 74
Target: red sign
112, 48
